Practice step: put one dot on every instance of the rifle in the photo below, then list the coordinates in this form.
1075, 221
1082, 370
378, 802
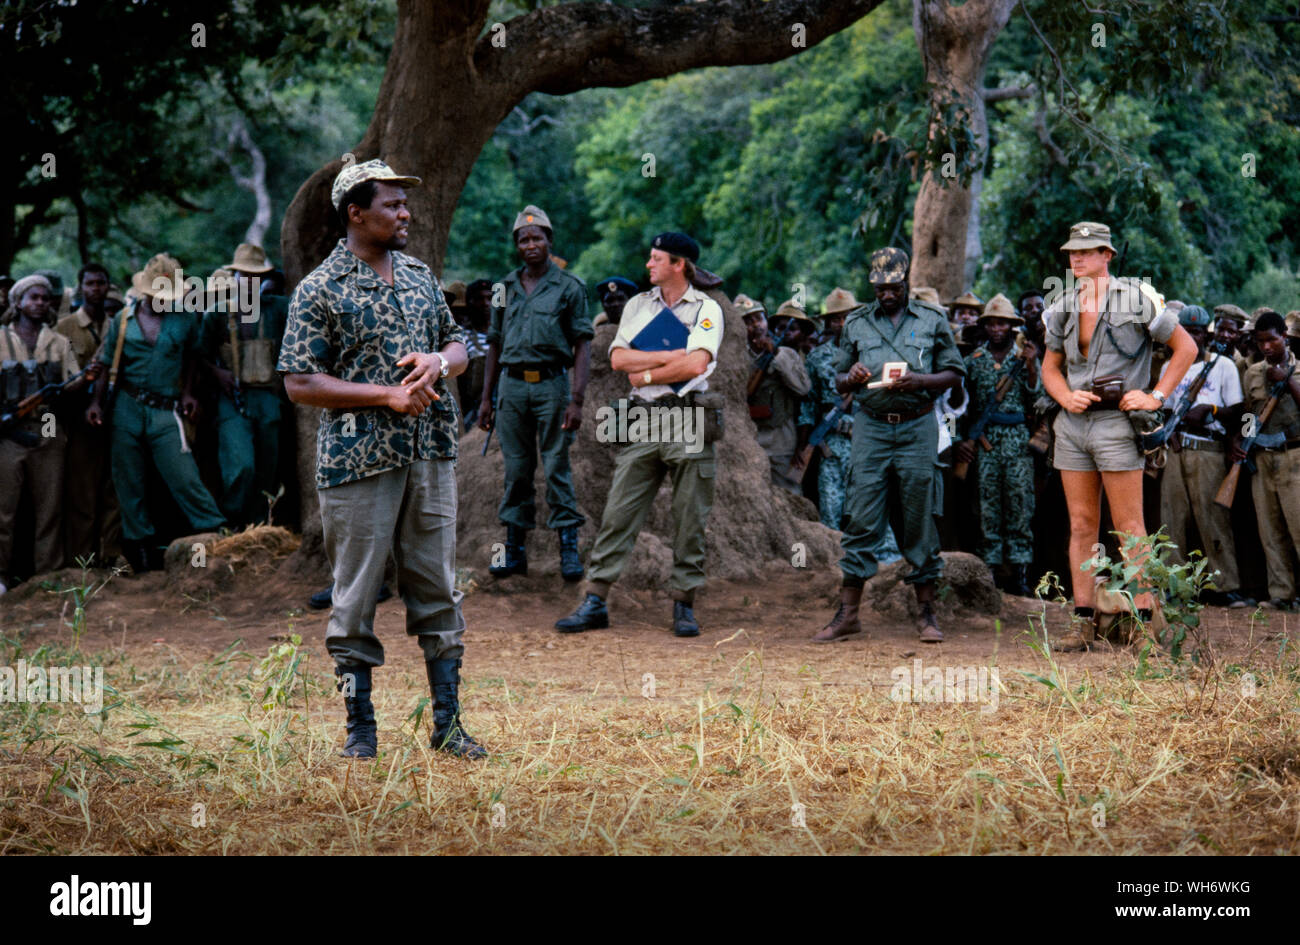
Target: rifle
1168, 431
760, 371
27, 406
1228, 488
799, 468
488, 439
976, 432
764, 362
236, 392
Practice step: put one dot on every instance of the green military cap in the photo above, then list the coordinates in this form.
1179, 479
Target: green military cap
837, 301
968, 300
1089, 236
355, 174
1193, 316
1000, 307
748, 306
791, 309
889, 266
532, 216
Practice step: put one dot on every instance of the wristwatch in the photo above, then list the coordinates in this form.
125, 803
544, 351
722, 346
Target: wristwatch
646, 377
443, 362
1158, 395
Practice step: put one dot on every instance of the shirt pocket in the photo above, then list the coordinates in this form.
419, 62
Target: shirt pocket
359, 328
1127, 334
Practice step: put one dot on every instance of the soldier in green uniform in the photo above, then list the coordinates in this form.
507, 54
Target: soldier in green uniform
32, 355
895, 438
1006, 473
152, 372
371, 340
242, 334
542, 331
822, 398
774, 405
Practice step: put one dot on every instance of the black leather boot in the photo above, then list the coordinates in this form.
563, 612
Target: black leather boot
684, 624
516, 561
448, 736
362, 741
135, 554
1020, 581
570, 563
590, 615
325, 598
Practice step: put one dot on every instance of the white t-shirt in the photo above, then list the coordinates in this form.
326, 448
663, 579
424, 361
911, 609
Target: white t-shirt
696, 311
1222, 388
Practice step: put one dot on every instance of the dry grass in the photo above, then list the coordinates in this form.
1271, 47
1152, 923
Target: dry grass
1181, 759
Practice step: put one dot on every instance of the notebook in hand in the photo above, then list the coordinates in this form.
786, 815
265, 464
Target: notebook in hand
665, 332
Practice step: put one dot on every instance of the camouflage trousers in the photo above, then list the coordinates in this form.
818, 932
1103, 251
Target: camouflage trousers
1006, 487
832, 485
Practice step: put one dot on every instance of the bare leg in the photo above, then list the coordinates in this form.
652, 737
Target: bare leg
1124, 490
1083, 499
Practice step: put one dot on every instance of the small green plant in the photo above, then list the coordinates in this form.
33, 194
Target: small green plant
280, 673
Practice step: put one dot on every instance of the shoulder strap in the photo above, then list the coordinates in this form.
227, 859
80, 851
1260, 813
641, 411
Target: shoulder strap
117, 348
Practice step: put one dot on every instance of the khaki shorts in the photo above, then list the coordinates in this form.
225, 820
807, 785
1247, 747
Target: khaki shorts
1100, 441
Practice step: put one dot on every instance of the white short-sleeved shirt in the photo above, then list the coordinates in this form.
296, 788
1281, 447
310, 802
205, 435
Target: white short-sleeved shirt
1222, 388
701, 314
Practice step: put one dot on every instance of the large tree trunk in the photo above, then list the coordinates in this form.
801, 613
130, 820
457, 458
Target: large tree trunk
446, 88
954, 42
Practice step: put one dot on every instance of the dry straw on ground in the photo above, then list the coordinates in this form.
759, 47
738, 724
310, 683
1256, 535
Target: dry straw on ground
740, 752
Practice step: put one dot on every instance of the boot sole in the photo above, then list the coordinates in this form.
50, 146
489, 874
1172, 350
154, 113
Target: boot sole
592, 625
838, 638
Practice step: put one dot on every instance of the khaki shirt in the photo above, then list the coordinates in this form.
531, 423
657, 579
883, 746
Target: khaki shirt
922, 338
695, 310
50, 346
1286, 416
86, 336
1121, 340
782, 388
542, 327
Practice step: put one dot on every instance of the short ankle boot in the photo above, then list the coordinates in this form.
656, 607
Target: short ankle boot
354, 683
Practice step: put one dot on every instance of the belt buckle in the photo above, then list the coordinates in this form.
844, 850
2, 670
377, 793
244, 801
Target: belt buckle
532, 377
894, 418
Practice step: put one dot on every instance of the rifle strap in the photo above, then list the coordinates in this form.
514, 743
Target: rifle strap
117, 347
234, 344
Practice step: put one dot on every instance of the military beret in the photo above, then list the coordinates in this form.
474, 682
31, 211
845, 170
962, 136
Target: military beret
677, 244
617, 282
532, 215
355, 174
889, 266
1193, 316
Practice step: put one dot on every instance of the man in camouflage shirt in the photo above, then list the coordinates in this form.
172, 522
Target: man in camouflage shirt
1006, 472
371, 340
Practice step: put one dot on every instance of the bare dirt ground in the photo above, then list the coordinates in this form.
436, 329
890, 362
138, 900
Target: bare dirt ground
221, 733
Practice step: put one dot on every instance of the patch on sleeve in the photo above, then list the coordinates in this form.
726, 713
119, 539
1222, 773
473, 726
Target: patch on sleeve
706, 324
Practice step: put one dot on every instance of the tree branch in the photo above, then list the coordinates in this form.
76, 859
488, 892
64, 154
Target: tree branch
1009, 92
1045, 136
562, 49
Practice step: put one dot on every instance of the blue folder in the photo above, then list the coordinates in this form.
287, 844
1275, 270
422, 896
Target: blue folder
665, 332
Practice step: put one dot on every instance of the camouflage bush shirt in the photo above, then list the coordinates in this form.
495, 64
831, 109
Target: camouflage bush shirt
347, 322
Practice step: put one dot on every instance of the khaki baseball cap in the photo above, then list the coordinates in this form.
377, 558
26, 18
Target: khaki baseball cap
1089, 236
355, 174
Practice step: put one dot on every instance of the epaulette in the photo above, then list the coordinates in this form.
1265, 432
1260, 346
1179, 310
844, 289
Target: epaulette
929, 305
577, 279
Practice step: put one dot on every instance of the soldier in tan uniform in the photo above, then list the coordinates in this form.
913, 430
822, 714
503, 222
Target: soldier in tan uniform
774, 405
91, 523
1276, 483
32, 355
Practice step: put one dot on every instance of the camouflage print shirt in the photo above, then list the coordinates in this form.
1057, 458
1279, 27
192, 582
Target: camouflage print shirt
823, 396
983, 372
348, 322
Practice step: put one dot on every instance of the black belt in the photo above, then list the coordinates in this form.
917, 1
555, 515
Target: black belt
896, 418
532, 373
147, 397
